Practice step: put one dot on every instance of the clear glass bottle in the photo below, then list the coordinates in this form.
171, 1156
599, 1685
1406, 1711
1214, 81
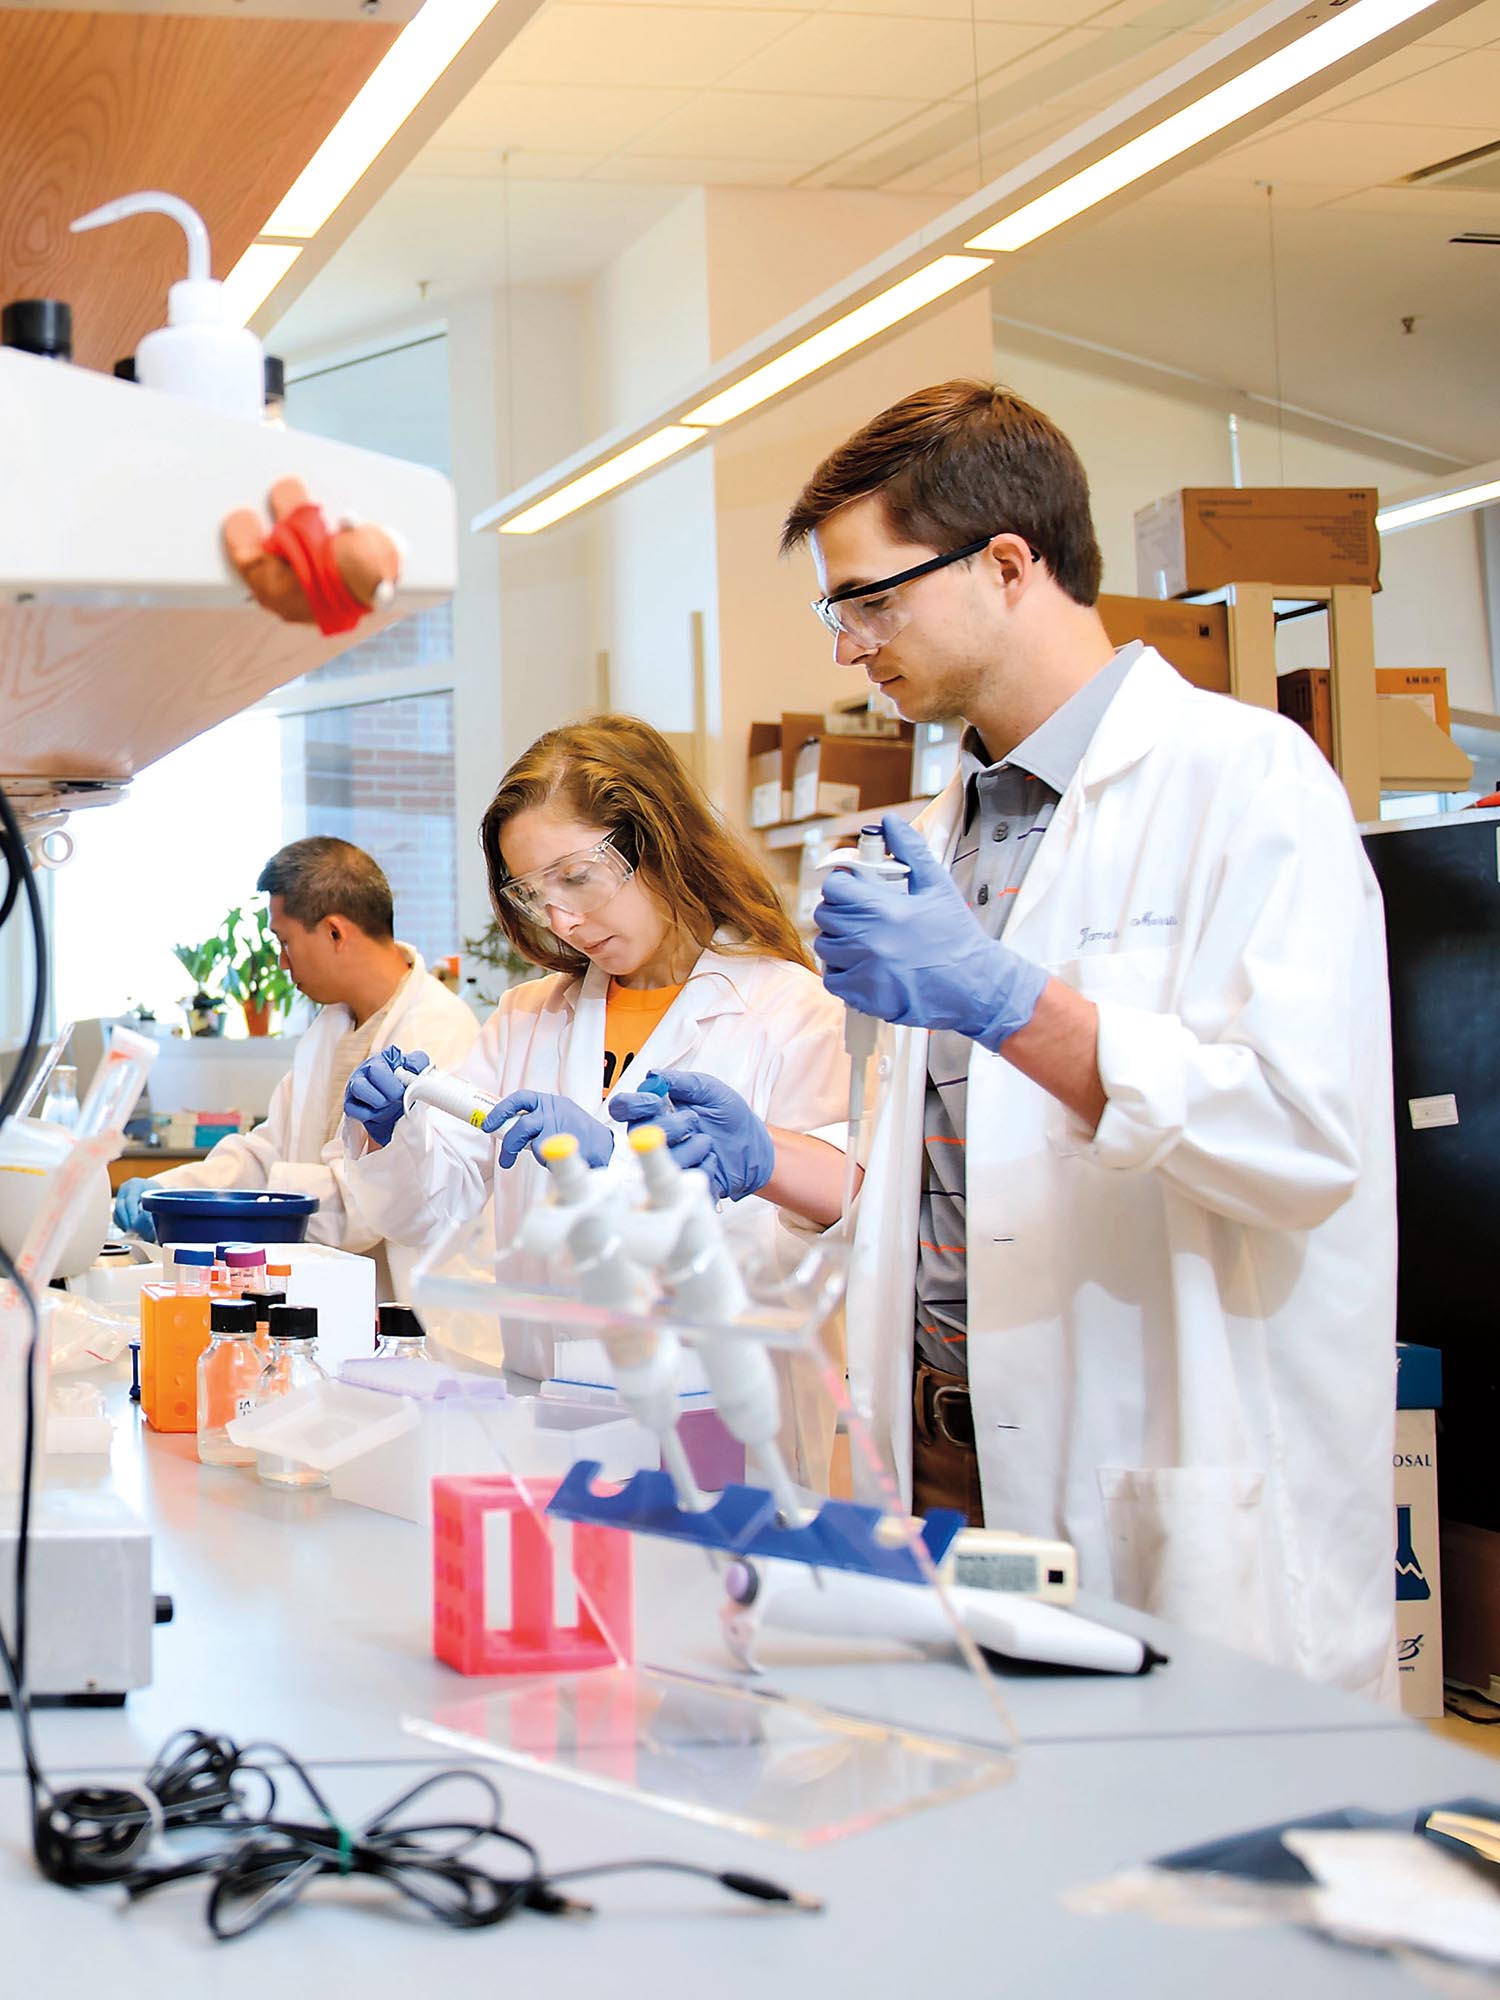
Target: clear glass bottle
399, 1334
293, 1365
61, 1104
263, 1302
229, 1371
191, 1271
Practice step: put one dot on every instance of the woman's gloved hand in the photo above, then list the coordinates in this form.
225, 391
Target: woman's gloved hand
375, 1096
129, 1214
538, 1115
708, 1125
921, 959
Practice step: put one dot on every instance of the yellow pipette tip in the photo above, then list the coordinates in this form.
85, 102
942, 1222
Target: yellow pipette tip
561, 1146
647, 1139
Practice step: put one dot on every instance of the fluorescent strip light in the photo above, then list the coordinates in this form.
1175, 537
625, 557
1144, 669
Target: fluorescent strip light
407, 71
873, 317
255, 277
1411, 513
1254, 87
604, 478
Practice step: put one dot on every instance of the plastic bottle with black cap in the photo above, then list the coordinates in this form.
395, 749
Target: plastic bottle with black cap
293, 1364
39, 326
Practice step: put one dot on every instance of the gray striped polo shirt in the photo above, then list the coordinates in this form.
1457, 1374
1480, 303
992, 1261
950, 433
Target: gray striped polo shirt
1007, 809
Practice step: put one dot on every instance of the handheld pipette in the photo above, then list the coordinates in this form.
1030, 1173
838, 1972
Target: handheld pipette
446, 1092
871, 857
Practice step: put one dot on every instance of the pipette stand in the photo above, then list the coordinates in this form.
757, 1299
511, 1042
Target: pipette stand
743, 1521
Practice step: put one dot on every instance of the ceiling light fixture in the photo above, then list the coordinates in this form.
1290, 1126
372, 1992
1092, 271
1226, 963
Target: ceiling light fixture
390, 94
602, 479
1433, 506
1272, 77
875, 316
255, 277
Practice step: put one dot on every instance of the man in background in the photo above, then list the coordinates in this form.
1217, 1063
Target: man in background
332, 912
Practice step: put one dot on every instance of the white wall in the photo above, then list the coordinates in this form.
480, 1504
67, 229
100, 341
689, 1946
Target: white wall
1138, 443
654, 544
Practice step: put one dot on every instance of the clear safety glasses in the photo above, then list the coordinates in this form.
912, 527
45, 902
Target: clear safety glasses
872, 613
575, 883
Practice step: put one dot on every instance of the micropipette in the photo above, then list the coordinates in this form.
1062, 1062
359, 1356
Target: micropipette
446, 1092
871, 857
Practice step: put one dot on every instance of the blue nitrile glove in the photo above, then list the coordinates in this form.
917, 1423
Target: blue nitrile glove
541, 1114
708, 1126
129, 1214
375, 1096
918, 956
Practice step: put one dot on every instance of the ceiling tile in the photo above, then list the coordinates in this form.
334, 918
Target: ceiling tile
1342, 155
497, 116
760, 125
623, 46
1037, 13
706, 171
845, 55
1472, 29
1464, 89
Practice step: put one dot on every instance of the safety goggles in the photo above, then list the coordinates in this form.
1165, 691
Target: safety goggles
575, 884
871, 613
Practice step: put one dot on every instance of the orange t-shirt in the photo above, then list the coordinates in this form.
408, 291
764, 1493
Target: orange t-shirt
630, 1015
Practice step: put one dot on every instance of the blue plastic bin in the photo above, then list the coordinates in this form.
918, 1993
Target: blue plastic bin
229, 1215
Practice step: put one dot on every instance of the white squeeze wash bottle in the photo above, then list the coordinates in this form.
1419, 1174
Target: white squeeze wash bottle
200, 353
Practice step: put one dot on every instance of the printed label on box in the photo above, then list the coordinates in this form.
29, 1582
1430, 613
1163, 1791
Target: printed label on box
1428, 1111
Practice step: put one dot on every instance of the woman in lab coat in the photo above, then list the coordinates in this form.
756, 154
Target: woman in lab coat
667, 949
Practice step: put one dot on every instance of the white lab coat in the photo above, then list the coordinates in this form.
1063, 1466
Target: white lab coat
298, 1149
766, 1027
1181, 1327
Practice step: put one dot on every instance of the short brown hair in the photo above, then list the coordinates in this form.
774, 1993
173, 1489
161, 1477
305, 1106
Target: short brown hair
618, 772
322, 877
955, 463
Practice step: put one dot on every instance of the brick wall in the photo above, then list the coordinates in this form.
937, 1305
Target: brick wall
380, 774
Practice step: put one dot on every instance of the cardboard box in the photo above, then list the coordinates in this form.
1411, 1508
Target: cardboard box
769, 801
1306, 696
1426, 686
1194, 638
1203, 537
934, 757
1419, 1597
845, 774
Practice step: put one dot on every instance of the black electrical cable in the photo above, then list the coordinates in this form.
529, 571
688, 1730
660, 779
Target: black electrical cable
89, 1835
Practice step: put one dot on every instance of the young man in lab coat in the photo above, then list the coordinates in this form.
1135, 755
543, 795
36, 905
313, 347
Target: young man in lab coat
332, 911
1124, 1269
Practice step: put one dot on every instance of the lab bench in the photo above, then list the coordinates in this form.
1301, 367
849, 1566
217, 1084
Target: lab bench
281, 1631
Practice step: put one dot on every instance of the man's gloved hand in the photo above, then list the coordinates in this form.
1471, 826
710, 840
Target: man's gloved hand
709, 1126
375, 1096
919, 957
129, 1214
541, 1114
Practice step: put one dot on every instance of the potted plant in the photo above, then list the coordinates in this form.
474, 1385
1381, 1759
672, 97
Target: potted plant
256, 976
493, 948
201, 962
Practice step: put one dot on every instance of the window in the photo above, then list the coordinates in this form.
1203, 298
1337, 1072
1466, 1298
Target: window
380, 773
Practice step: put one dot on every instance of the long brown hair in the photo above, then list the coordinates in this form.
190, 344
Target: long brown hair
618, 772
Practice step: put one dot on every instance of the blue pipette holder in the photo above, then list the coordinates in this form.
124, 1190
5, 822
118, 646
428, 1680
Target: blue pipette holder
743, 1522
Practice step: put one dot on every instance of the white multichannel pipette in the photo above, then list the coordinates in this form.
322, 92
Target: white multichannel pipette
587, 1217
682, 1235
